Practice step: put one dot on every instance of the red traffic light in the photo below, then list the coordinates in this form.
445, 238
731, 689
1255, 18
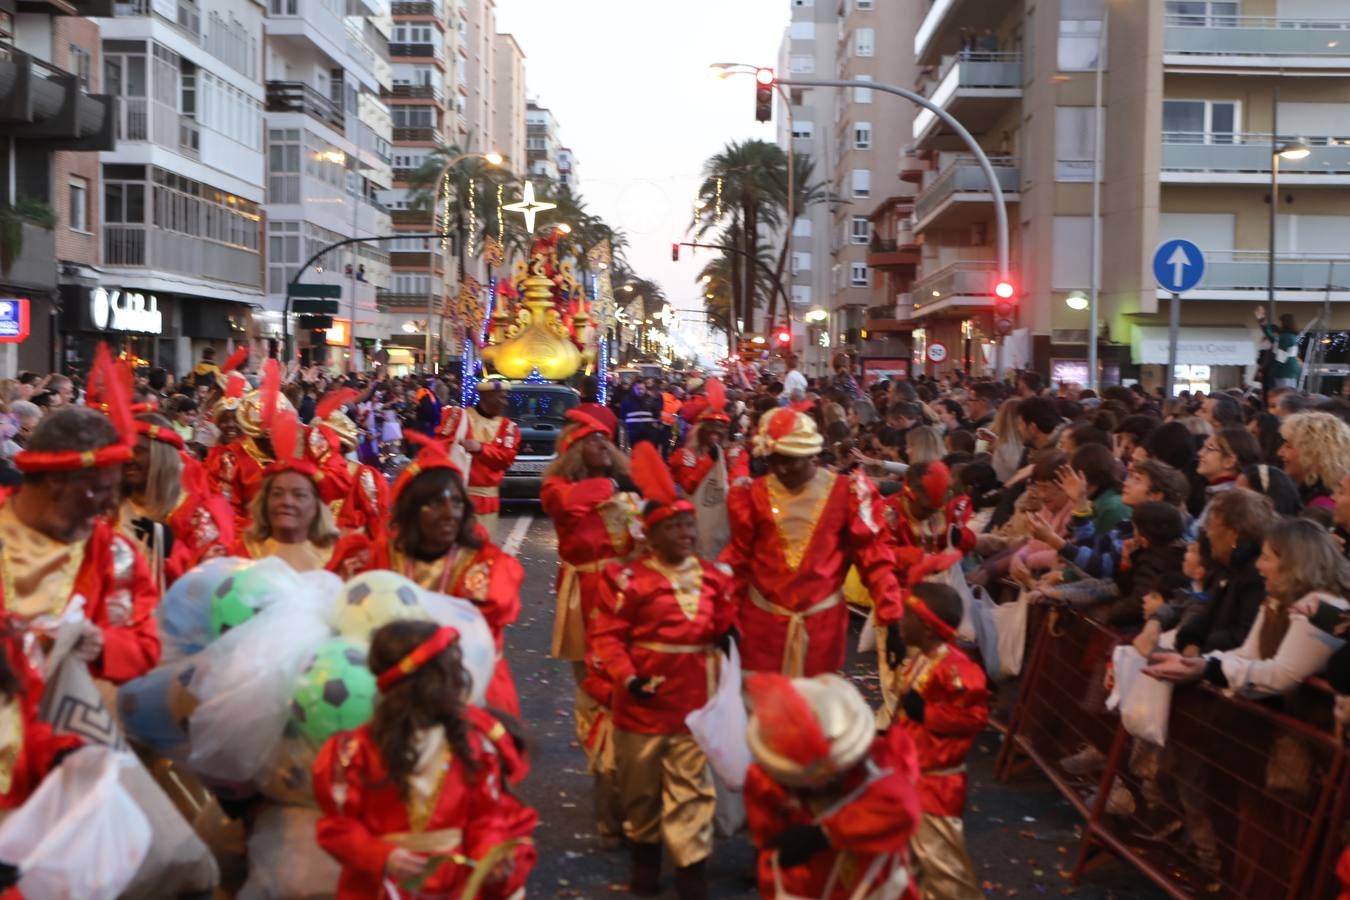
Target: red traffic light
764, 76
784, 337
675, 252
1004, 290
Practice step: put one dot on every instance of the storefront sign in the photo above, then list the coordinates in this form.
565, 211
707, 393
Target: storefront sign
118, 310
875, 370
340, 334
14, 324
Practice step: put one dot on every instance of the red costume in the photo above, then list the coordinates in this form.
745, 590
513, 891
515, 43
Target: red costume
244, 471
202, 524
364, 817
356, 494
500, 440
656, 621
489, 578
691, 465
28, 747
868, 822
791, 553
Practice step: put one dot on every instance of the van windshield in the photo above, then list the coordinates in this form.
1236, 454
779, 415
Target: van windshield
535, 406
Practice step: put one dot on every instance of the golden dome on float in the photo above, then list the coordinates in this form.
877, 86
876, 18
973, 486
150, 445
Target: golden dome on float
538, 339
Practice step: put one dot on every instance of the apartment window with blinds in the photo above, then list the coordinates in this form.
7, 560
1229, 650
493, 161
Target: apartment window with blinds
862, 182
79, 64
283, 166
1074, 135
860, 230
803, 130
862, 95
1080, 26
862, 136
859, 275
864, 42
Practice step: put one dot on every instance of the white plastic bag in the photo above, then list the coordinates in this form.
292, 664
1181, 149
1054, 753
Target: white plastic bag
80, 836
476, 647
981, 609
1010, 621
1145, 710
719, 726
1126, 664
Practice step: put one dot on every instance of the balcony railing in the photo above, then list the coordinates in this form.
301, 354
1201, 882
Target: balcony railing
416, 134
186, 15
970, 71
157, 248
392, 300
296, 96
417, 8
1239, 270
1241, 36
965, 176
417, 51
414, 92
965, 278
410, 216
1251, 153
142, 119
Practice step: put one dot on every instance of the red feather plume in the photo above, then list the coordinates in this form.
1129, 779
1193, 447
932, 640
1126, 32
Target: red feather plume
785, 719
717, 395
936, 480
234, 386
930, 564
652, 475
114, 392
237, 359
333, 401
781, 423
271, 390
287, 440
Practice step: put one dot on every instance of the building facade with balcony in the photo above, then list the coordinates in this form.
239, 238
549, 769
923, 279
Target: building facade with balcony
508, 125
329, 157
182, 192
55, 120
542, 141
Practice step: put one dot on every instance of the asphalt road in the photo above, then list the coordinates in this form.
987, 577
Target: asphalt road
1022, 836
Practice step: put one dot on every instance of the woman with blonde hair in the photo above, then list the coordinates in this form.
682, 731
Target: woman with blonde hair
1006, 449
595, 510
923, 444
1316, 455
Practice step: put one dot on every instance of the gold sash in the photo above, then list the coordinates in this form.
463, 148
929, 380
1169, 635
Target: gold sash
569, 624
794, 649
710, 658
433, 843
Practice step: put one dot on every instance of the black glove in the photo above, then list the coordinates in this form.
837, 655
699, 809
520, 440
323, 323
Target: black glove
913, 706
638, 687
9, 876
895, 646
798, 844
724, 640
623, 483
954, 537
714, 451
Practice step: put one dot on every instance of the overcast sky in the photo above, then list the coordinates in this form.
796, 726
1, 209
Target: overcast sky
629, 83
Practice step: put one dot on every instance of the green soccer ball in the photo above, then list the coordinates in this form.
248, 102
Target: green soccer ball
242, 595
335, 691
374, 599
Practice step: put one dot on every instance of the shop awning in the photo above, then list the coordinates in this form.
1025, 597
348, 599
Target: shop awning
1196, 346
398, 356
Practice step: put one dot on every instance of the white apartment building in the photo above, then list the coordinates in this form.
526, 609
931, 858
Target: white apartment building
508, 127
542, 141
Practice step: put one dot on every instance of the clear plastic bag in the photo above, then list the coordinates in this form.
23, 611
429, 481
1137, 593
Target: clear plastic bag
80, 836
154, 709
475, 638
184, 615
719, 726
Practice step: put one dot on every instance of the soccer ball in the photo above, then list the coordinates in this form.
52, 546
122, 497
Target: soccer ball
376, 598
335, 691
243, 594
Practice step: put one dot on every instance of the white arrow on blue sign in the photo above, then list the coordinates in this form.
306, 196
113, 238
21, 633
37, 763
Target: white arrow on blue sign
1178, 265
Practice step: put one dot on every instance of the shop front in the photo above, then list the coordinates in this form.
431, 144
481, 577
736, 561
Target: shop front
1208, 358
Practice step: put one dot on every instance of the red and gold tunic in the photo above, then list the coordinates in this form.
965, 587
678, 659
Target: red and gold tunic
246, 465
790, 553
305, 556
690, 466
500, 439
449, 812
488, 577
41, 576
955, 711
203, 526
356, 494
657, 621
869, 824
28, 747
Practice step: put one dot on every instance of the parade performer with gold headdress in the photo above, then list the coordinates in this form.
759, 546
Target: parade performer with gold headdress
355, 493
656, 626
707, 467
492, 442
831, 805
794, 534
944, 705
253, 452
417, 803
589, 496
58, 542
437, 542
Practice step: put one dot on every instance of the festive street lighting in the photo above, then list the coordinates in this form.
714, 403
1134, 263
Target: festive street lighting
529, 207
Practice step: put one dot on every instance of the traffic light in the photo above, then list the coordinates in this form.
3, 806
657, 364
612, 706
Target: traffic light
783, 338
675, 252
1003, 289
763, 95
1004, 311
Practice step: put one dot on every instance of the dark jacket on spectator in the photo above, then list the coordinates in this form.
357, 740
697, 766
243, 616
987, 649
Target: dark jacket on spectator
1236, 592
1145, 572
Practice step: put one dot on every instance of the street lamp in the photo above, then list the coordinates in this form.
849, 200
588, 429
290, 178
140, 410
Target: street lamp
816, 315
1076, 301
1292, 150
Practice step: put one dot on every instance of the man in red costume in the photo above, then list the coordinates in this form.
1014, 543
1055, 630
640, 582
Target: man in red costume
794, 534
654, 633
492, 442
831, 805
706, 469
59, 542
944, 705
356, 494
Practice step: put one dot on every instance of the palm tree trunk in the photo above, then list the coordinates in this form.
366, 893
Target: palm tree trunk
734, 310
751, 254
772, 317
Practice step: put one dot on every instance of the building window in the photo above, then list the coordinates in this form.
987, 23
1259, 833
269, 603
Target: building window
862, 136
862, 182
79, 203
79, 64
864, 42
858, 275
1074, 135
1200, 121
802, 227
862, 95
860, 230
1202, 13
802, 64
1080, 28
803, 131
863, 5
801, 262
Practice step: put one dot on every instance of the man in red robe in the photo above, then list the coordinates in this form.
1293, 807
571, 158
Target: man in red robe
59, 543
706, 469
492, 442
794, 534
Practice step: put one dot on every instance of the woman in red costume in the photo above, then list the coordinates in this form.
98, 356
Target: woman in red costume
420, 796
438, 543
357, 494
588, 494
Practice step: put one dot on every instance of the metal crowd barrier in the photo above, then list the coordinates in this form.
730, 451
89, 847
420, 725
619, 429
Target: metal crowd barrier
1244, 801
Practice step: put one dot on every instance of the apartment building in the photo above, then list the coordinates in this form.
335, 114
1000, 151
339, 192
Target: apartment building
328, 158
567, 170
1197, 98
54, 120
508, 126
542, 142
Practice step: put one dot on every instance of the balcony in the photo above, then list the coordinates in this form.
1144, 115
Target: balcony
418, 9
143, 119
418, 259
890, 255
183, 14
960, 193
136, 246
388, 301
912, 166
959, 285
419, 217
1245, 275
413, 92
41, 102
973, 87
296, 96
34, 266
1224, 40
1245, 158
416, 134
417, 52
940, 30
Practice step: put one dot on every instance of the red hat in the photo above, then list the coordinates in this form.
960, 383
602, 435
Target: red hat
582, 426
283, 426
110, 387
716, 410
936, 481
914, 566
162, 433
652, 476
433, 455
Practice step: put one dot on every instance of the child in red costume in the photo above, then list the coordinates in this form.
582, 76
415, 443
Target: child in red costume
419, 797
831, 806
944, 705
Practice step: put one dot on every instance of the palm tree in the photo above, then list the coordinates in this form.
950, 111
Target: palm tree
806, 193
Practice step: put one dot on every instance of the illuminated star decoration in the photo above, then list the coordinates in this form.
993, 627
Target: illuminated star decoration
529, 207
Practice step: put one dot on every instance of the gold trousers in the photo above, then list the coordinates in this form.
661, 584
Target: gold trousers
944, 867
569, 620
595, 733
667, 790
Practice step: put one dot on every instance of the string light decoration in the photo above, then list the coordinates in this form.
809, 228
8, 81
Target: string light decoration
471, 238
443, 196
717, 202
601, 291
501, 219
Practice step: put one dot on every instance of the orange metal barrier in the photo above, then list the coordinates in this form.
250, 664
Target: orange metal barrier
1244, 801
